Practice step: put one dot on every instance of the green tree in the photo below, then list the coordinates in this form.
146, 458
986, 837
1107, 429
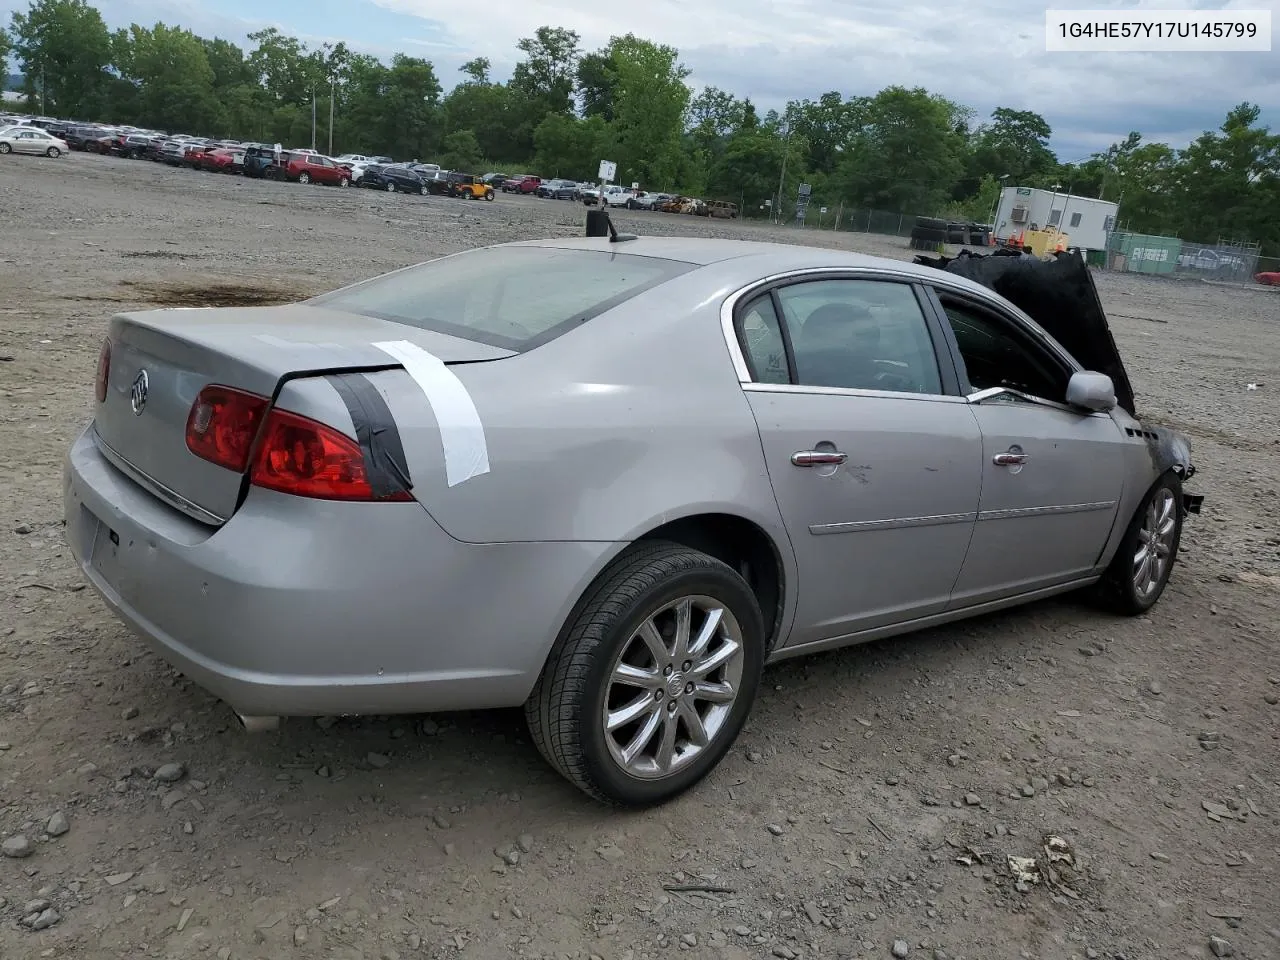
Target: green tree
461, 151
410, 114
1222, 177
597, 85
827, 124
548, 72
64, 49
751, 166
908, 154
1014, 144
175, 84
5, 46
714, 115
650, 100
477, 70
570, 148
489, 110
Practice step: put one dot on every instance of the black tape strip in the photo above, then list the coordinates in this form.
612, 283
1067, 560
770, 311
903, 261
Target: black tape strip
376, 432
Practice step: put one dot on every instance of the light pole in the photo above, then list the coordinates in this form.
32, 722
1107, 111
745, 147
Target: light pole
333, 80
786, 139
995, 206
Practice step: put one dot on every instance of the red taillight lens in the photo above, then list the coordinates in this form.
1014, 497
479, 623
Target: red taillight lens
104, 371
223, 424
308, 459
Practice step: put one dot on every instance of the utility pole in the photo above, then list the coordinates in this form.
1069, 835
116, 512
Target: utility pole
332, 90
313, 116
786, 137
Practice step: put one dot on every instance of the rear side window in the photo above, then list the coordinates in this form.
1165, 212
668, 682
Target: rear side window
515, 298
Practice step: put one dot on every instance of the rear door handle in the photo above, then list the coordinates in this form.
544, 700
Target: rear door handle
1009, 459
818, 458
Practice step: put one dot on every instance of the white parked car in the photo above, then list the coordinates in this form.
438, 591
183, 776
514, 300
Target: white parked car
616, 195
31, 140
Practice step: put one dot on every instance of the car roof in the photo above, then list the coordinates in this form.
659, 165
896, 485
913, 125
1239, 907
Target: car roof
748, 260
703, 251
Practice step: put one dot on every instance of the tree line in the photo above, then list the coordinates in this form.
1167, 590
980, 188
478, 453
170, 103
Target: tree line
906, 150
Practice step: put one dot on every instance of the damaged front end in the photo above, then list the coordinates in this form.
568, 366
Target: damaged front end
1060, 296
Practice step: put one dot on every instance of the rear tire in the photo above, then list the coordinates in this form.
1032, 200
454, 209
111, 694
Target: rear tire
1153, 537
629, 614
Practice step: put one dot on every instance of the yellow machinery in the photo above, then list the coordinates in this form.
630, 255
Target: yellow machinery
1045, 242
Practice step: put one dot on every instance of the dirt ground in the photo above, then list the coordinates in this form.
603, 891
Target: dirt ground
875, 796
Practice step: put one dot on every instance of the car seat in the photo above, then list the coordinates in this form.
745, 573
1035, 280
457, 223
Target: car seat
836, 347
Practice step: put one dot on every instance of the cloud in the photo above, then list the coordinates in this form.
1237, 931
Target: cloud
983, 55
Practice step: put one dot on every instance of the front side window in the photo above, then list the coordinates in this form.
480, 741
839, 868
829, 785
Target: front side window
997, 354
859, 334
510, 297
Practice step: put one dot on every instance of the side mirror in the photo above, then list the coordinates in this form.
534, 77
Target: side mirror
1091, 391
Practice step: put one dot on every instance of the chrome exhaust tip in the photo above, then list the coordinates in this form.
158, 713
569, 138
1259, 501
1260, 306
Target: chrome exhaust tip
259, 724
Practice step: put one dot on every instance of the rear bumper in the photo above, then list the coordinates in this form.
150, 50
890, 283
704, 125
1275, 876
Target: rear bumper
299, 607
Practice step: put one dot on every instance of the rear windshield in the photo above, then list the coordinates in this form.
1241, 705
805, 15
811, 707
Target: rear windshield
515, 298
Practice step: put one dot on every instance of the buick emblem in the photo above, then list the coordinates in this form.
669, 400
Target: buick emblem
138, 392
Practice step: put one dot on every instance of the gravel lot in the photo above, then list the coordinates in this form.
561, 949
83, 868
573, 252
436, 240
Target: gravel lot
875, 796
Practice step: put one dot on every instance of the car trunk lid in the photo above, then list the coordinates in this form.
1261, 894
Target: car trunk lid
162, 359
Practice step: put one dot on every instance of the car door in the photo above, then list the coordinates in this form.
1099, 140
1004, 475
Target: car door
1052, 476
27, 142
873, 456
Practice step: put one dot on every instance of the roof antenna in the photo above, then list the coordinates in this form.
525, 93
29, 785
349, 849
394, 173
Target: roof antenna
599, 225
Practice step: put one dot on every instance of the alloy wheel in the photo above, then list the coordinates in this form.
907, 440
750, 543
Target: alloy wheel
1155, 543
672, 687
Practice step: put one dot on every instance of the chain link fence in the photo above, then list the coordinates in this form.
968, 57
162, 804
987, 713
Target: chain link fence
1220, 261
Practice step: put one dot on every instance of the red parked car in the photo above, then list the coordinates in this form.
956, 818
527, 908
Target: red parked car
313, 168
223, 160
522, 184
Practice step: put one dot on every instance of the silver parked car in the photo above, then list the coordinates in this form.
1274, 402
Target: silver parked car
30, 139
607, 479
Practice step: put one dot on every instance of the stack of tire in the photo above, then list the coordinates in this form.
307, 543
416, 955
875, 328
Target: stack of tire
928, 233
978, 236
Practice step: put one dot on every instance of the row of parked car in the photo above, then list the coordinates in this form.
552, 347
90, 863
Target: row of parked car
615, 195
256, 160
300, 165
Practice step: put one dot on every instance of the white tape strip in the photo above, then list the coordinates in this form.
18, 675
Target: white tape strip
466, 454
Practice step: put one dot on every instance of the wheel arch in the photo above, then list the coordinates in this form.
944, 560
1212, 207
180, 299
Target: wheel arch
741, 543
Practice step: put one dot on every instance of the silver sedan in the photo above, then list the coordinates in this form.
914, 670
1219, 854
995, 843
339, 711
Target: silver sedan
607, 479
29, 139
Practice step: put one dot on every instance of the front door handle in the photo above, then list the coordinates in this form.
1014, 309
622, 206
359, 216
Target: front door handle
1009, 459
818, 458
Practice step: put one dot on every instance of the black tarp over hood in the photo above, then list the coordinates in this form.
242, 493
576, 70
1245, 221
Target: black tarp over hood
1059, 295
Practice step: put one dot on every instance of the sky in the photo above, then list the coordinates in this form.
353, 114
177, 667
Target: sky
982, 53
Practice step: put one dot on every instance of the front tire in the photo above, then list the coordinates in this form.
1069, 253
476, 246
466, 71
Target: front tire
5, 148
652, 679
1140, 570
391, 187
488, 195
53, 153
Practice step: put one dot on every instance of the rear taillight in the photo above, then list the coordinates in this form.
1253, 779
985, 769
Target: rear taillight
223, 424
104, 371
300, 456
